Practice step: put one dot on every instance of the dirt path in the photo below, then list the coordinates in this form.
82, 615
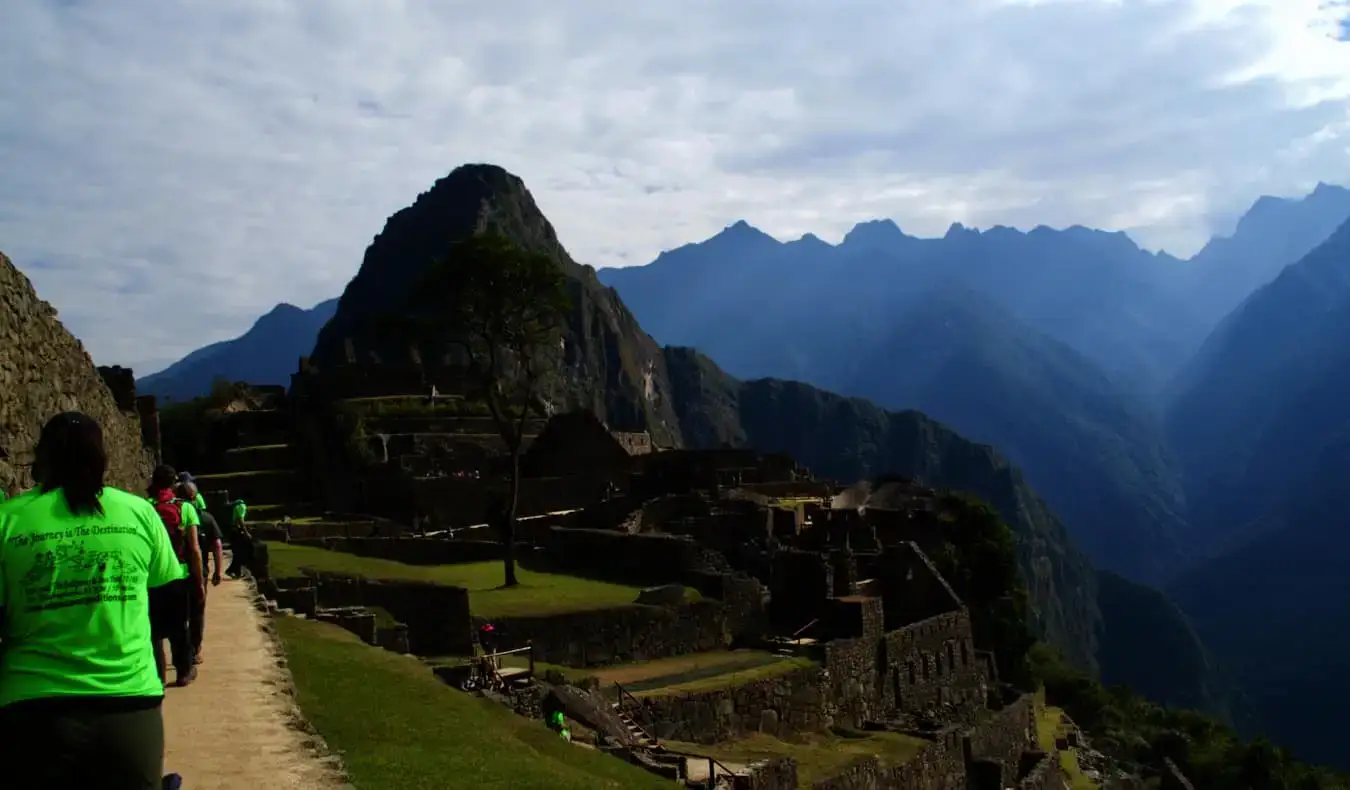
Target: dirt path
231, 730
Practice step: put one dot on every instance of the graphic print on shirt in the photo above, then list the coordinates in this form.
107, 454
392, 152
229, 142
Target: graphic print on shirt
71, 567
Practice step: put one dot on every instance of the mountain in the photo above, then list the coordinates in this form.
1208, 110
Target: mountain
1095, 291
1259, 402
1182, 672
616, 369
1274, 612
1272, 234
267, 353
932, 342
685, 399
1265, 424
612, 367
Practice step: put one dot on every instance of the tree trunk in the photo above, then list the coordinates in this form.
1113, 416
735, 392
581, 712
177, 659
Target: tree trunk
509, 520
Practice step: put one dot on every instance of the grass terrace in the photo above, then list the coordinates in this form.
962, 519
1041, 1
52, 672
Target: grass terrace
537, 594
428, 736
683, 674
818, 756
1049, 726
704, 672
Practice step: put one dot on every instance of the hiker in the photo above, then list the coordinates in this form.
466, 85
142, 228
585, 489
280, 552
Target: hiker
211, 538
558, 723
198, 501
80, 695
171, 606
241, 540
208, 533
487, 638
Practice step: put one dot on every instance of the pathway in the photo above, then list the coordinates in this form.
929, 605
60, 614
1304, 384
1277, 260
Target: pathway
231, 729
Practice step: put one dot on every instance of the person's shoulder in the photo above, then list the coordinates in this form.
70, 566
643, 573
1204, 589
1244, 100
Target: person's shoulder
128, 502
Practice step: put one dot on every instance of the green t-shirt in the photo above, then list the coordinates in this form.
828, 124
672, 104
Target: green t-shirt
240, 510
199, 502
190, 519
75, 589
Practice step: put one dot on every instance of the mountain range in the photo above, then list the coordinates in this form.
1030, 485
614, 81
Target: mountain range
1154, 403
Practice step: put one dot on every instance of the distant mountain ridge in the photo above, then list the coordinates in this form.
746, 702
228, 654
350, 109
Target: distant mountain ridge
907, 329
268, 353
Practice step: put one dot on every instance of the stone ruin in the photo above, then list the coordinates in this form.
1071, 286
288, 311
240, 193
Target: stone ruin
889, 642
781, 561
44, 370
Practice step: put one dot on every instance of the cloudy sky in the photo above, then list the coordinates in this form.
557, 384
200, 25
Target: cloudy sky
169, 171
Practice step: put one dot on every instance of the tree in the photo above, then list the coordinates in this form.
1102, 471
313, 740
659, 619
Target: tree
505, 307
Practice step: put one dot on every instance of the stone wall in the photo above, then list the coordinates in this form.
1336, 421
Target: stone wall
121, 382
780, 706
437, 616
938, 766
926, 669
620, 634
44, 370
620, 557
777, 774
1002, 737
1045, 773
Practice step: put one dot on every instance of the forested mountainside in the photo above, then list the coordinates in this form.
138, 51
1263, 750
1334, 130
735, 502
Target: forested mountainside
1265, 421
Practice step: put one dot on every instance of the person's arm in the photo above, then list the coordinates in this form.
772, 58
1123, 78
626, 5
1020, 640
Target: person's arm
217, 550
191, 524
195, 560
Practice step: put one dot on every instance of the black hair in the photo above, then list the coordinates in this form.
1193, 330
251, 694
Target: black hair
163, 477
70, 456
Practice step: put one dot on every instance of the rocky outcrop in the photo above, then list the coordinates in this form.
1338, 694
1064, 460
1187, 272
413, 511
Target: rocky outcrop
612, 367
45, 370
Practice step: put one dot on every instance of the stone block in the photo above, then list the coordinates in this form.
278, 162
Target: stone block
665, 595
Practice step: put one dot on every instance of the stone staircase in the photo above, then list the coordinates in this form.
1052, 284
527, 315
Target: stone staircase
640, 735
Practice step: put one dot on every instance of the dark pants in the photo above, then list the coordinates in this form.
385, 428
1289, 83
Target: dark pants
242, 546
112, 744
170, 607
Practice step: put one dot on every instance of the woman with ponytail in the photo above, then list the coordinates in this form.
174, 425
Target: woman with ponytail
80, 694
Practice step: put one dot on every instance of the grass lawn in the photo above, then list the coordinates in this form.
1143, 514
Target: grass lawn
636, 672
711, 678
399, 728
537, 593
1047, 729
819, 756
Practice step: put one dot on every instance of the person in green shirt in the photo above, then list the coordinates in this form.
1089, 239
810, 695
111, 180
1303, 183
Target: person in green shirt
171, 606
198, 501
80, 695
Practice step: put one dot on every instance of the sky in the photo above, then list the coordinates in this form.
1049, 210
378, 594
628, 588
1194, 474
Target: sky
170, 171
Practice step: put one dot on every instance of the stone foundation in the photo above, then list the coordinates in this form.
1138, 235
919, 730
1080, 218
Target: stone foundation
778, 706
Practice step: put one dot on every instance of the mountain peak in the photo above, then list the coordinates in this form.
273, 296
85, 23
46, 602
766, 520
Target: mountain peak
741, 236
810, 241
471, 199
957, 229
875, 233
1323, 190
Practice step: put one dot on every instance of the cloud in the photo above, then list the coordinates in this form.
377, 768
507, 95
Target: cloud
179, 168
